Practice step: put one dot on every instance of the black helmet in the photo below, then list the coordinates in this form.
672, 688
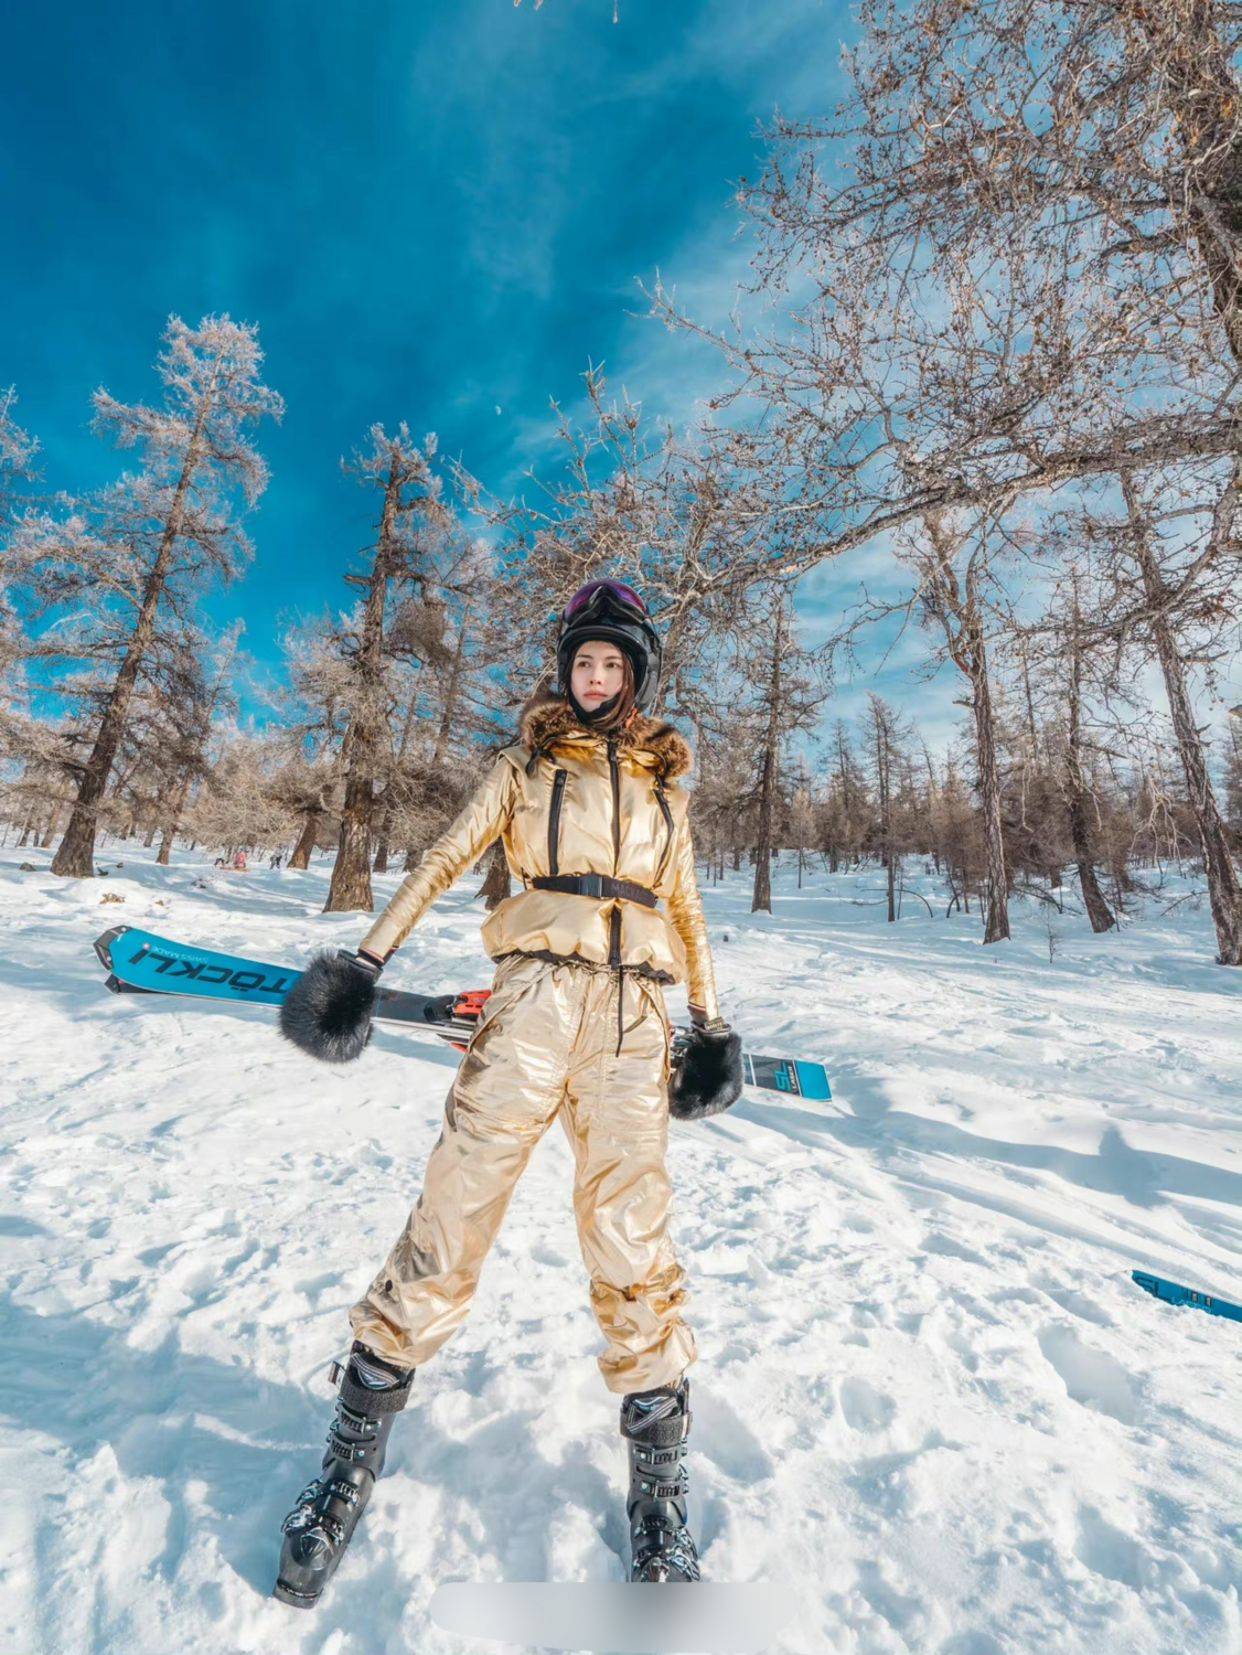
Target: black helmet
610, 609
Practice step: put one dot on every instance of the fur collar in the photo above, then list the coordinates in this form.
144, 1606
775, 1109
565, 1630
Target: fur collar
547, 718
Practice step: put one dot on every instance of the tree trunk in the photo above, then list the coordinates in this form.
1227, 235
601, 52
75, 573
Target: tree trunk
960, 617
448, 716
172, 822
1079, 800
1224, 892
351, 873
76, 855
306, 844
761, 901
886, 819
1098, 912
50, 833
380, 865
996, 880
761, 897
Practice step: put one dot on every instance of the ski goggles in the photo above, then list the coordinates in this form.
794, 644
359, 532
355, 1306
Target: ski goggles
596, 595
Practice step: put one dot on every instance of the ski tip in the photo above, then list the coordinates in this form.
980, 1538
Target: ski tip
103, 944
1174, 1293
813, 1081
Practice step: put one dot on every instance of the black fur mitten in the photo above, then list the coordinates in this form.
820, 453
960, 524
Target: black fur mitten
707, 1073
328, 1011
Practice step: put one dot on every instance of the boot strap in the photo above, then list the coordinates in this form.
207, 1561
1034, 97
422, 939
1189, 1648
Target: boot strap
361, 1399
658, 1456
658, 1433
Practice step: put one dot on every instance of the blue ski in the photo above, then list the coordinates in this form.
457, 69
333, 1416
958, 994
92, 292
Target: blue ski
139, 962
1171, 1293
795, 1075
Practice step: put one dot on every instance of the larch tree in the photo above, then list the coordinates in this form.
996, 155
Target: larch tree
1016, 260
886, 737
189, 758
785, 696
400, 473
846, 802
121, 572
630, 498
1079, 795
1199, 596
312, 712
954, 571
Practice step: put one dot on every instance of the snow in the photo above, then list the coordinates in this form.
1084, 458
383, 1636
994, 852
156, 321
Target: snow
928, 1397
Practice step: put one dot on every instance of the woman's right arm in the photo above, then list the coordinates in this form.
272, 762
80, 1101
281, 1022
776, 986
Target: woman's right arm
477, 825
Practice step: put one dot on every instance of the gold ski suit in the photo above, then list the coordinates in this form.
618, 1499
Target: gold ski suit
575, 1029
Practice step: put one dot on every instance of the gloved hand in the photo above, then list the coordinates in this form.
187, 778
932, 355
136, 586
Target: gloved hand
707, 1069
328, 1010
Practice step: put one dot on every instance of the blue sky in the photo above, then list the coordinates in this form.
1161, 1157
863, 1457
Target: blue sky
431, 211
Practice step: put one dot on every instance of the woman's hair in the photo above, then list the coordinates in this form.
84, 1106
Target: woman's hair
614, 719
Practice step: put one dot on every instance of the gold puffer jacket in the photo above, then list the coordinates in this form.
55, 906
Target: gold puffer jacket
565, 801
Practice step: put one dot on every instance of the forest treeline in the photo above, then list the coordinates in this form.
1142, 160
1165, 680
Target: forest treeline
989, 370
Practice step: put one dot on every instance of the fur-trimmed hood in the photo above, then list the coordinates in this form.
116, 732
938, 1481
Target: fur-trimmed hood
546, 717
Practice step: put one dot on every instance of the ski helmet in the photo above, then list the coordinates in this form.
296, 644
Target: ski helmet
611, 610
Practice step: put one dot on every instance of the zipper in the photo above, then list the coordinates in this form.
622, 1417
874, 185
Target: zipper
668, 833
616, 804
614, 921
554, 819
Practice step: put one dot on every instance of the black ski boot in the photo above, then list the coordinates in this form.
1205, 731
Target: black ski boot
656, 1424
372, 1393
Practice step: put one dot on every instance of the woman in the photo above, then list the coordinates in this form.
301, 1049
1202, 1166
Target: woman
594, 824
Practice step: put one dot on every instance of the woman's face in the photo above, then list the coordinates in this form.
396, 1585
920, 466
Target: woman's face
598, 673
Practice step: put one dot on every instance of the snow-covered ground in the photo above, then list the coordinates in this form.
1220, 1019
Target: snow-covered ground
928, 1394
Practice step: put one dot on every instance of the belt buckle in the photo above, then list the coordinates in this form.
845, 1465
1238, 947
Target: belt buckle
593, 884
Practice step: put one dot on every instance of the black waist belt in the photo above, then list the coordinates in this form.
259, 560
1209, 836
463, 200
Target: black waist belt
599, 885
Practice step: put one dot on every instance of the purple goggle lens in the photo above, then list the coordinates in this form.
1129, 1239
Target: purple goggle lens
625, 595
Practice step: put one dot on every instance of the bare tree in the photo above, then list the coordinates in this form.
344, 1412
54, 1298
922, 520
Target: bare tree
409, 493
312, 708
990, 309
1141, 529
887, 735
634, 499
188, 762
136, 556
17, 454
785, 699
1079, 795
846, 804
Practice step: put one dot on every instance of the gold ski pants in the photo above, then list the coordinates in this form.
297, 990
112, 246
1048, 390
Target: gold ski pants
546, 1048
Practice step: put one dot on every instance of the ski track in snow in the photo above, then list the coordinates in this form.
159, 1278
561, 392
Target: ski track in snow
928, 1396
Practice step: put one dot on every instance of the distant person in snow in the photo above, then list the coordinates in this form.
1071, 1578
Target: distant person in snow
594, 822
274, 859
239, 862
